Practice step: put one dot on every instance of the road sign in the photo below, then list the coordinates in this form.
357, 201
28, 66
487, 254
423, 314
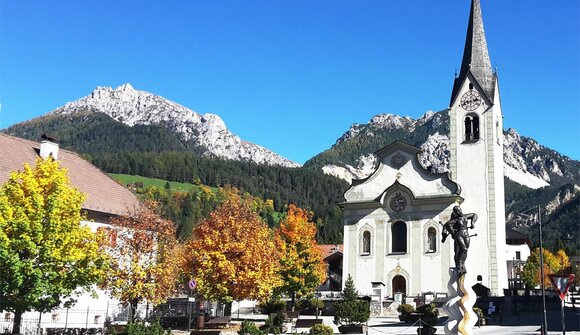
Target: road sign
561, 283
192, 284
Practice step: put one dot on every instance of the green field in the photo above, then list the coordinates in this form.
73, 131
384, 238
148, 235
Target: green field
148, 182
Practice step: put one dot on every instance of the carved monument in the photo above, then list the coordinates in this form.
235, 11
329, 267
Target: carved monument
459, 305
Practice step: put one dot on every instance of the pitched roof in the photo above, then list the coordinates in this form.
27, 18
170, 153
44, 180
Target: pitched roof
103, 193
475, 55
329, 249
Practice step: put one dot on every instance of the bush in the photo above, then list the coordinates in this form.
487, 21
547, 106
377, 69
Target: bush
405, 309
430, 314
249, 328
140, 328
320, 329
352, 312
274, 305
273, 325
310, 304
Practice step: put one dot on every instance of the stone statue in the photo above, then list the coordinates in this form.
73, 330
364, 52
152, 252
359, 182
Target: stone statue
457, 227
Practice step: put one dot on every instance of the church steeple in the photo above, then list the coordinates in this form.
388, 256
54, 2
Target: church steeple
475, 55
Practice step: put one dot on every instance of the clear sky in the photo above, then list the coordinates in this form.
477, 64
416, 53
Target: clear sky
294, 75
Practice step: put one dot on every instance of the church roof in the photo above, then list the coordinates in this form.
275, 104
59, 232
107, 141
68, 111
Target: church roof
475, 56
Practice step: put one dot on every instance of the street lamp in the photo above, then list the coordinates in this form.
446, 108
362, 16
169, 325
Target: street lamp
545, 324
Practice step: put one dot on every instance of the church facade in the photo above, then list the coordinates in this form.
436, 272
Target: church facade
392, 219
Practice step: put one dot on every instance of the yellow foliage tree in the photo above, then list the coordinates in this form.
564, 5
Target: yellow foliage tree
46, 255
146, 258
301, 266
232, 254
553, 264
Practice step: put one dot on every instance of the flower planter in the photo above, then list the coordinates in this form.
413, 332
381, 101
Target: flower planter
408, 318
352, 329
426, 330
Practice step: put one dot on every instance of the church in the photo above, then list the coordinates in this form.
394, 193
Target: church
393, 219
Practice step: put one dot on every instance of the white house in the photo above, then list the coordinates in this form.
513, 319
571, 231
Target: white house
391, 219
105, 199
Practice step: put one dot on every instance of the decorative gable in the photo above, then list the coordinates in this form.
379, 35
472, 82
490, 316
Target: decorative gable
398, 179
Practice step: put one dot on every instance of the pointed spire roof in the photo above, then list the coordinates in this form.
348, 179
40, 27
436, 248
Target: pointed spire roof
475, 55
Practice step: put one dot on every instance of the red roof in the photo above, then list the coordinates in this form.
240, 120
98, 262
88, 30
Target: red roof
103, 193
329, 249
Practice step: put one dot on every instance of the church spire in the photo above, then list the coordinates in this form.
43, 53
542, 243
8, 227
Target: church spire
475, 55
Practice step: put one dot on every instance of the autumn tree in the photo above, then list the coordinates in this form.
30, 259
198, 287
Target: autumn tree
47, 256
146, 258
232, 253
301, 266
553, 264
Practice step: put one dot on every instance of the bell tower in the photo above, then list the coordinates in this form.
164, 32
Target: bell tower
476, 144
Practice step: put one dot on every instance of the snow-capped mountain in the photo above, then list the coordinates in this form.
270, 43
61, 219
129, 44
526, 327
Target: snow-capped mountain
526, 162
206, 131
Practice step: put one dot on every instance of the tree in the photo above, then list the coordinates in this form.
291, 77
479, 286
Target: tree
553, 264
146, 258
46, 255
350, 310
232, 253
301, 266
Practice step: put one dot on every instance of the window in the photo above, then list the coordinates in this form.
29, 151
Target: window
479, 278
366, 243
471, 127
518, 255
431, 240
399, 235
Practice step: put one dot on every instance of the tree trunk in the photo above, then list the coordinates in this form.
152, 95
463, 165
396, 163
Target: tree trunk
133, 310
293, 301
17, 322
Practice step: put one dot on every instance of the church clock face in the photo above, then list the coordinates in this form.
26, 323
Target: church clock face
470, 100
398, 203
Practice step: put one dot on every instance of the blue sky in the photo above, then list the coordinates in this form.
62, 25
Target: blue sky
294, 75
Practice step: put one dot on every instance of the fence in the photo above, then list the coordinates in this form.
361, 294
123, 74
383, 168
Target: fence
76, 321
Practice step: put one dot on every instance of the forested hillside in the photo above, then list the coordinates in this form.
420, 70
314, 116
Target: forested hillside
153, 151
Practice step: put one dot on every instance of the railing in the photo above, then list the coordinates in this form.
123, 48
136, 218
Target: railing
69, 320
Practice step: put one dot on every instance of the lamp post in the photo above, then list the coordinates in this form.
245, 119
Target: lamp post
545, 325
545, 321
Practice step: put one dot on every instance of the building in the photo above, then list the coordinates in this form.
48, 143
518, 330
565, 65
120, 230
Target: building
105, 199
332, 256
518, 249
392, 219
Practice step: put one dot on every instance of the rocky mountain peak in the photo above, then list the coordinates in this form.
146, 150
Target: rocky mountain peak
208, 131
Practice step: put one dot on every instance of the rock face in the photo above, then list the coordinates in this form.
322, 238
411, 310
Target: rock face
205, 131
526, 162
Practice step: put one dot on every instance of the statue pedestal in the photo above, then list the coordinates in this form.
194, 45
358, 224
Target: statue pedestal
459, 305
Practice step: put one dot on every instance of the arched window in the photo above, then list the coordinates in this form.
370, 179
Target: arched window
431, 239
366, 243
479, 278
471, 127
399, 236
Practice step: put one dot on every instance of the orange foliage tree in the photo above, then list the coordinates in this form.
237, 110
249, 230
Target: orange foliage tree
146, 258
301, 266
232, 253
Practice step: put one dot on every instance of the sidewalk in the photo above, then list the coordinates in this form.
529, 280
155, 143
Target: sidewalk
527, 323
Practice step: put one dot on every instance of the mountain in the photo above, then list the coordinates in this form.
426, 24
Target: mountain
534, 174
206, 134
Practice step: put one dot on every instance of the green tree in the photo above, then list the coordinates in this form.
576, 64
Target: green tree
46, 255
351, 311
